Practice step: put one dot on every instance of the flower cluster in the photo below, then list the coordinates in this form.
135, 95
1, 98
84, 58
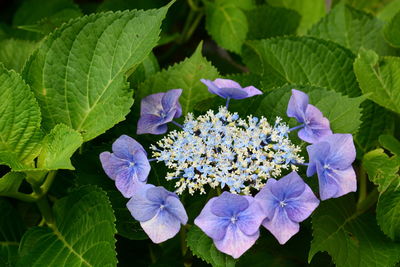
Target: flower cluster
245, 157
222, 149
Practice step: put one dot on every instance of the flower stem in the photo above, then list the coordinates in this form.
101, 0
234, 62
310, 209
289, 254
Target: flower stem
177, 124
219, 191
368, 201
297, 127
227, 102
362, 179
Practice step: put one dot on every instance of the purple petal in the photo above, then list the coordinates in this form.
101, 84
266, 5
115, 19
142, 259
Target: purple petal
124, 147
140, 207
151, 124
170, 102
281, 226
297, 105
228, 204
290, 186
336, 183
226, 83
300, 208
158, 194
212, 88
316, 126
267, 200
249, 220
235, 242
252, 91
342, 153
161, 227
174, 206
127, 182
142, 165
151, 104
111, 164
317, 153
214, 226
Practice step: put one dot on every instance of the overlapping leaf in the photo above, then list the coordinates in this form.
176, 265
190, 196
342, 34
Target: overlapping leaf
185, 75
78, 73
20, 133
379, 79
14, 53
302, 60
392, 31
388, 211
353, 29
350, 239
83, 233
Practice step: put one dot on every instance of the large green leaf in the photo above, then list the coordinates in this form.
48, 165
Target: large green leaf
388, 211
202, 246
392, 31
353, 29
376, 120
20, 133
58, 147
390, 143
387, 12
344, 113
302, 60
185, 75
227, 23
379, 79
267, 21
350, 239
382, 170
11, 231
10, 183
78, 73
14, 53
310, 10
83, 233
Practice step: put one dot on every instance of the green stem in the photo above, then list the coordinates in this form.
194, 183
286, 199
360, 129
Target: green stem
368, 201
362, 179
21, 196
193, 27
193, 6
183, 240
219, 191
188, 22
45, 210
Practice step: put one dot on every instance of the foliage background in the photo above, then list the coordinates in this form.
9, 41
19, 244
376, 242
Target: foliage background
344, 54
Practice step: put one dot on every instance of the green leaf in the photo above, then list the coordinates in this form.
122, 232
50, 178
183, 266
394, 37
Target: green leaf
83, 233
381, 169
20, 133
79, 72
185, 75
267, 21
352, 29
350, 239
388, 212
390, 143
387, 12
302, 60
12, 229
392, 31
11, 182
379, 79
202, 246
376, 120
344, 113
310, 10
227, 24
58, 147
15, 52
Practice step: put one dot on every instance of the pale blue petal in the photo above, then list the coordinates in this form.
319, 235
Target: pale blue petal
174, 206
300, 208
343, 152
124, 147
281, 226
249, 220
141, 165
170, 102
112, 165
290, 186
140, 207
228, 204
151, 104
297, 105
235, 242
318, 152
127, 182
267, 200
151, 124
161, 227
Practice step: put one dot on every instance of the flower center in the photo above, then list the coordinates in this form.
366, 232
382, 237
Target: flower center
163, 114
234, 219
327, 166
162, 206
282, 203
132, 163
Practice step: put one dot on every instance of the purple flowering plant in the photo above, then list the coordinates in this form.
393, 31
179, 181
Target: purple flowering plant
198, 133
239, 163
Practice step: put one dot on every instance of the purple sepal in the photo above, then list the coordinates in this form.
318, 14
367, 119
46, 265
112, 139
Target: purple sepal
226, 88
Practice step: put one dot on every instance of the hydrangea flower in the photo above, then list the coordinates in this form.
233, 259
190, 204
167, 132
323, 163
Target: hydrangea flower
157, 110
128, 165
314, 124
232, 221
331, 159
229, 89
286, 202
159, 212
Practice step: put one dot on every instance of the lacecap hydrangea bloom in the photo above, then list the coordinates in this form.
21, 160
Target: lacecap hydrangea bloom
248, 166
